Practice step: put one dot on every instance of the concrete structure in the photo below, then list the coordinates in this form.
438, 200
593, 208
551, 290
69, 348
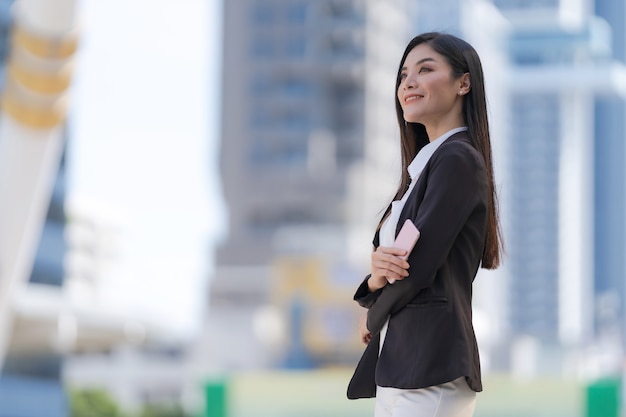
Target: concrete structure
31, 136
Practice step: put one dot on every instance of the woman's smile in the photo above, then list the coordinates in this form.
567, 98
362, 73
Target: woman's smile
411, 98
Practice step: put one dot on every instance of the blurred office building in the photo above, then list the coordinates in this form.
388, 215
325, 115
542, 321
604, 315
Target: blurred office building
305, 86
307, 119
609, 186
564, 212
308, 131
555, 84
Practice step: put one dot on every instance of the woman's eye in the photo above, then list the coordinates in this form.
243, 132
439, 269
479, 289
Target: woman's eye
402, 76
424, 69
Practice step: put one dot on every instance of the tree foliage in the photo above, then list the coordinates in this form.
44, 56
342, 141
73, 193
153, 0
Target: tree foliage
93, 403
159, 410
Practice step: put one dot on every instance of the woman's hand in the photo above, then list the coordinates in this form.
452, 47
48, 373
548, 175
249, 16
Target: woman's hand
387, 264
365, 334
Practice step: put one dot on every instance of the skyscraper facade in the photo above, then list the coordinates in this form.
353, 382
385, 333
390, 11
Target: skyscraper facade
305, 126
610, 187
292, 118
301, 83
564, 211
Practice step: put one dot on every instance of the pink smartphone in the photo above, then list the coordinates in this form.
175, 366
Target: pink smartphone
406, 239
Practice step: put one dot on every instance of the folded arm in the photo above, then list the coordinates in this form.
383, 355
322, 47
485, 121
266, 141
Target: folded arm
456, 186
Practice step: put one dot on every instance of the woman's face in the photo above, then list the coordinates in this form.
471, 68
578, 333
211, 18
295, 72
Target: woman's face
428, 92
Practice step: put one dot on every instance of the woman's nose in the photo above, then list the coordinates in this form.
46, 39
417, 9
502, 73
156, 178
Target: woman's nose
409, 83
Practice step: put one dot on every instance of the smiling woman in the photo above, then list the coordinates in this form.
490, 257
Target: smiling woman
422, 357
430, 93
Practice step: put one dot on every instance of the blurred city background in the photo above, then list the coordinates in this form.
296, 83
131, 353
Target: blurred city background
188, 193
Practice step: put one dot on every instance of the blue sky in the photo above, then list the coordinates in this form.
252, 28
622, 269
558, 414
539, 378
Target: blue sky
143, 147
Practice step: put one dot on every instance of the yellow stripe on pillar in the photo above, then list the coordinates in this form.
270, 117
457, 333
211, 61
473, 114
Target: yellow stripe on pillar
41, 82
29, 114
39, 72
43, 46
32, 116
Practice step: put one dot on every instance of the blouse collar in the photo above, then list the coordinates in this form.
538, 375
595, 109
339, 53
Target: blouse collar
422, 157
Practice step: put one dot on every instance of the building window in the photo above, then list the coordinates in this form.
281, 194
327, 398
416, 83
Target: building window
341, 8
5, 28
297, 87
526, 4
262, 47
48, 267
344, 45
260, 117
263, 220
292, 118
278, 151
296, 47
261, 84
296, 13
262, 14
295, 119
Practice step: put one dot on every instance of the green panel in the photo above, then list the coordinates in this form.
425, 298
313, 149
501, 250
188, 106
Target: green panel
603, 398
291, 393
322, 393
215, 395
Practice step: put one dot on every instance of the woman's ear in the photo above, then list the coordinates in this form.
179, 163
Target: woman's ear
464, 84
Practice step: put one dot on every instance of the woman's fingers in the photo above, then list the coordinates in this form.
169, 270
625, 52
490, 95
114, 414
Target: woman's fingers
390, 269
386, 262
389, 250
393, 255
365, 334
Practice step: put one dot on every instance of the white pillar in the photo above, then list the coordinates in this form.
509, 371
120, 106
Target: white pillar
31, 136
576, 217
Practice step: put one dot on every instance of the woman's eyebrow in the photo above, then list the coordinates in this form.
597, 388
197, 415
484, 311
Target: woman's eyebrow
421, 61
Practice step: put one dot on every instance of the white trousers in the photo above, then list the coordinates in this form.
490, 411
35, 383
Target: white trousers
453, 399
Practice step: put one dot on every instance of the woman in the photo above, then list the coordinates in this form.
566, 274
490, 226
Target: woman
422, 357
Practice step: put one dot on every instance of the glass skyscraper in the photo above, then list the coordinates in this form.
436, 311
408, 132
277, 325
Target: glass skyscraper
565, 210
299, 88
610, 188
292, 121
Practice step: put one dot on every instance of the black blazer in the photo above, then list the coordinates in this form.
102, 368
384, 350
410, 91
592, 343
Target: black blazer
430, 339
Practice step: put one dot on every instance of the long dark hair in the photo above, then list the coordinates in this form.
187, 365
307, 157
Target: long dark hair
463, 59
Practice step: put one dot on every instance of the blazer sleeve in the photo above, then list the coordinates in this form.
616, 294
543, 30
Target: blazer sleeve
364, 296
456, 185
